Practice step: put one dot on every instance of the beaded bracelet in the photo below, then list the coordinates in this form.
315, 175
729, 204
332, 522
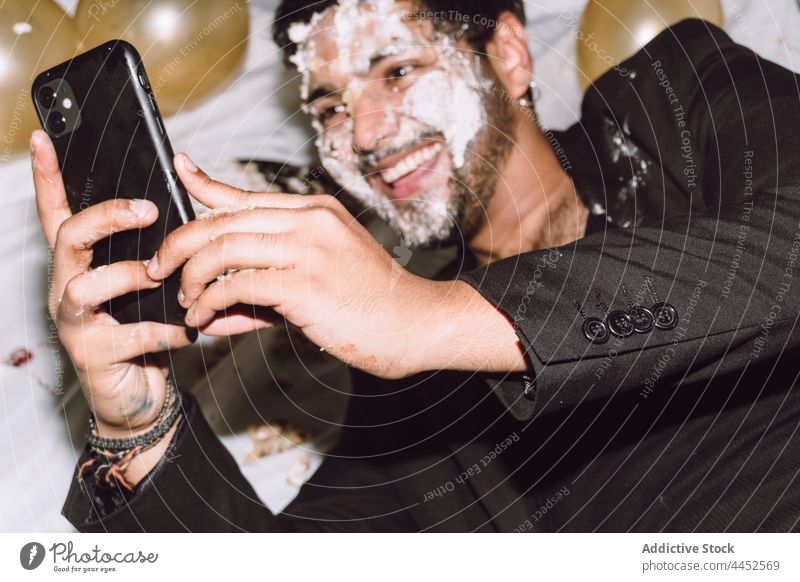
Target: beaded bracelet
111, 457
166, 417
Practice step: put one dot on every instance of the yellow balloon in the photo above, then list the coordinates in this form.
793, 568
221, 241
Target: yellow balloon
613, 30
189, 47
34, 36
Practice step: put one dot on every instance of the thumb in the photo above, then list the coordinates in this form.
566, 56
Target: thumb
51, 196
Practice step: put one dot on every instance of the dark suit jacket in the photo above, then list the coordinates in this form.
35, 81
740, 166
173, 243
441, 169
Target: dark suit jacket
689, 164
714, 223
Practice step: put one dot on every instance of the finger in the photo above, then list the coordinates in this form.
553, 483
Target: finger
236, 251
136, 339
184, 242
77, 234
103, 343
215, 194
201, 186
232, 323
89, 290
81, 231
51, 197
251, 287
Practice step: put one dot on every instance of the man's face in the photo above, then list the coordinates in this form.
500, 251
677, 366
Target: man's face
404, 119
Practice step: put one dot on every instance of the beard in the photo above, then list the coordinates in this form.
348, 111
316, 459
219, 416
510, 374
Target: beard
477, 180
433, 220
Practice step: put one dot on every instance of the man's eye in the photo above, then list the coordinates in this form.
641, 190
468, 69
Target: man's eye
400, 72
328, 112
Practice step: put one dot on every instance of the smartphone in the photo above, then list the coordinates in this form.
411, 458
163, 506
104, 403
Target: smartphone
100, 112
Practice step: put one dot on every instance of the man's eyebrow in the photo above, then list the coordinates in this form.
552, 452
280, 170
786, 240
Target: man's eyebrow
321, 92
381, 55
326, 91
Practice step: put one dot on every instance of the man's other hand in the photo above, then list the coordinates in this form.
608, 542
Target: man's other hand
308, 260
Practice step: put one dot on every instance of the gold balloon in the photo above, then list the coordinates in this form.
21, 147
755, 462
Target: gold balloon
613, 30
189, 47
34, 36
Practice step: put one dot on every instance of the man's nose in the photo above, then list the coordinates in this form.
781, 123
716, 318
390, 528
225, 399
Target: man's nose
374, 122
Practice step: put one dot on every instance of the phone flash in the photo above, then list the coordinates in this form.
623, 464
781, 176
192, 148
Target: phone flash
67, 103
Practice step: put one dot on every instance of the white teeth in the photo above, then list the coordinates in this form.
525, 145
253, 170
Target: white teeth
410, 163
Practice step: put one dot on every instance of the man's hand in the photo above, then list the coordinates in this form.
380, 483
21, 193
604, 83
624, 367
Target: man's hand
310, 261
124, 390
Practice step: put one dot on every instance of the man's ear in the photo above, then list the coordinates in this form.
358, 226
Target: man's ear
509, 55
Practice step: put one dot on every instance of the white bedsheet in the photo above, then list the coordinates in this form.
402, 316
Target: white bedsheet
254, 116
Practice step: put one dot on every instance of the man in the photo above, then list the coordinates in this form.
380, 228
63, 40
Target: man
623, 358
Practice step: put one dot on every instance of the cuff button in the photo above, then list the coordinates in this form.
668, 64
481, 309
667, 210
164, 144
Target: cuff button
620, 324
595, 330
665, 315
643, 320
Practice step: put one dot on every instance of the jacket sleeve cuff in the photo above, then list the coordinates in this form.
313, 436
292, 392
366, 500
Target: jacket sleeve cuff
197, 486
513, 287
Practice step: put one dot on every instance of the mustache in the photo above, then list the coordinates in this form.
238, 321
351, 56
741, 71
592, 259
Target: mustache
368, 161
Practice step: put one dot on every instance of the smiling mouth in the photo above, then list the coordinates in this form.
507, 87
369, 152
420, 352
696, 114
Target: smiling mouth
405, 175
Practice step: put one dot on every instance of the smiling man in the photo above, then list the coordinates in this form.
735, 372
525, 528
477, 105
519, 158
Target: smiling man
421, 130
614, 349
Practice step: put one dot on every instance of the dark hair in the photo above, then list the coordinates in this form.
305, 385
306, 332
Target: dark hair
449, 16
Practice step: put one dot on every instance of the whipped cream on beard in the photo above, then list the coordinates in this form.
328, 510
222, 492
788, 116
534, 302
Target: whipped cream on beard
446, 101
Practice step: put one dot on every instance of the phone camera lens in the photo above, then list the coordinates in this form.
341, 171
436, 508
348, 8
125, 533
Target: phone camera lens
56, 122
47, 97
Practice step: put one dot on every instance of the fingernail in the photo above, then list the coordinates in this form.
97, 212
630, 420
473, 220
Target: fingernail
188, 164
181, 296
152, 266
34, 145
140, 207
190, 315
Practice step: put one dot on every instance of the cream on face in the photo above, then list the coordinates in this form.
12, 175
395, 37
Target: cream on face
426, 126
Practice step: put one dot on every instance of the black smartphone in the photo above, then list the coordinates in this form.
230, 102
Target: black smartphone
101, 114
